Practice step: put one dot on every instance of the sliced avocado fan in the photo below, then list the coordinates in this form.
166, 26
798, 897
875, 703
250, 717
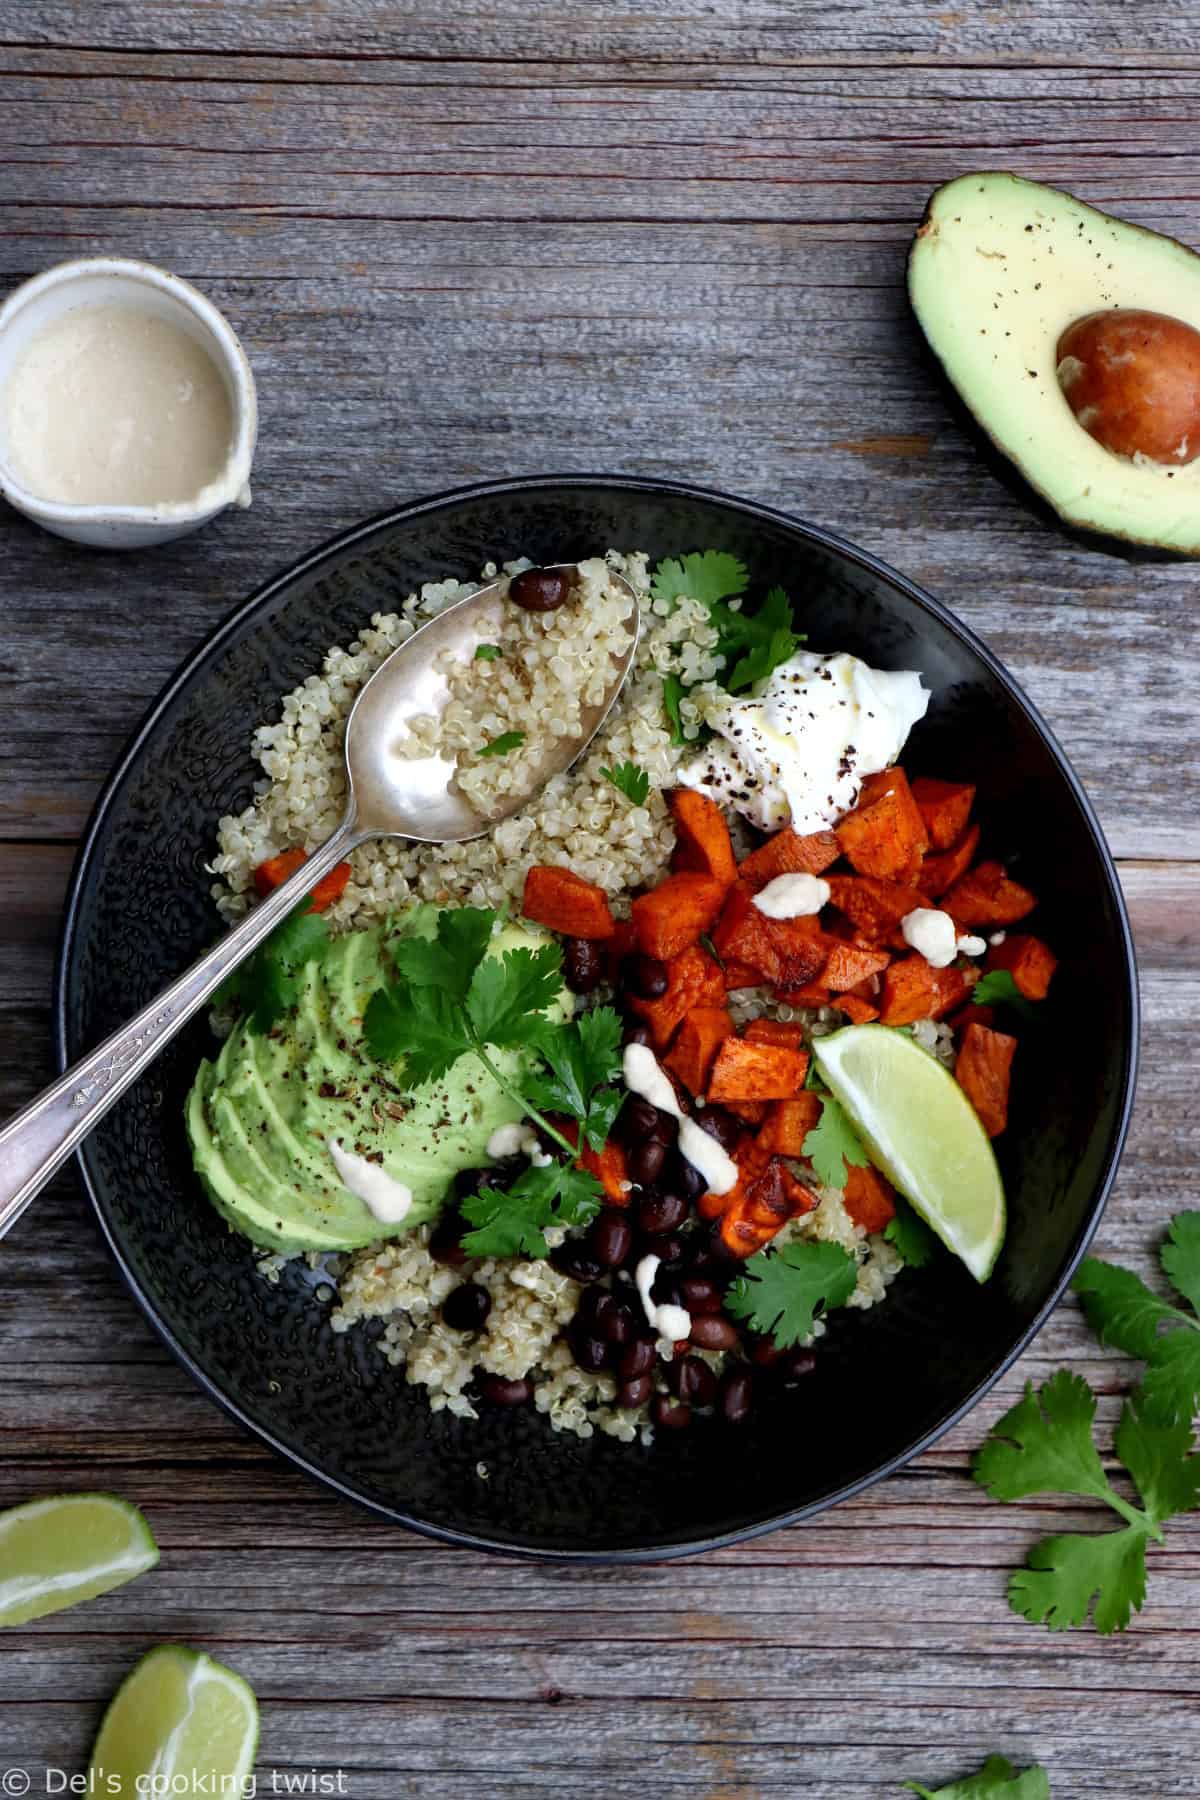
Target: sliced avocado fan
998, 269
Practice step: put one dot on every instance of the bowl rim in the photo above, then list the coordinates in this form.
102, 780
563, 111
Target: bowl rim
213, 645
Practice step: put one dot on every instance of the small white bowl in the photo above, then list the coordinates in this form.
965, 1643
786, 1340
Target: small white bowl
103, 280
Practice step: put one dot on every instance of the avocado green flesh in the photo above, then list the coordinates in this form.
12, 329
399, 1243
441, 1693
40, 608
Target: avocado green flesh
260, 1119
1000, 267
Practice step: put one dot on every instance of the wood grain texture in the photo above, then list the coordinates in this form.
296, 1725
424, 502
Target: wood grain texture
473, 240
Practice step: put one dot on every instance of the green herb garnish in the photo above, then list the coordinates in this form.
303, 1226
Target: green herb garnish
705, 575
782, 1291
833, 1143
908, 1234
631, 781
487, 652
508, 740
1044, 1445
997, 988
268, 983
997, 1780
673, 692
756, 643
1123, 1312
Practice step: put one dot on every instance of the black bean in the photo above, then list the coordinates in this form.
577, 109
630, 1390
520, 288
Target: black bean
699, 1294
466, 1308
764, 1353
618, 1326
666, 1130
795, 1364
684, 1177
637, 1358
635, 1392
582, 964
719, 1124
711, 1332
469, 1181
638, 1032
670, 1250
636, 1120
591, 1353
670, 1415
737, 1396
692, 1380
444, 1245
611, 1238
595, 1303
661, 1213
540, 590
576, 1260
503, 1392
646, 976
646, 1161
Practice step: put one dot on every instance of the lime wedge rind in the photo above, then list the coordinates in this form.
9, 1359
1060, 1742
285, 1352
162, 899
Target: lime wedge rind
36, 1580
922, 1131
181, 1722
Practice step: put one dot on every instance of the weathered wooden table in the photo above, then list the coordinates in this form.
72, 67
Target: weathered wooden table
470, 240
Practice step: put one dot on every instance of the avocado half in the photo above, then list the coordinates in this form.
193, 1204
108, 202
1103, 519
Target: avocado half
998, 269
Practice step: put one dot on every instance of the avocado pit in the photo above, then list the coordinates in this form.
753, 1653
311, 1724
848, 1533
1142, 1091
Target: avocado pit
1132, 380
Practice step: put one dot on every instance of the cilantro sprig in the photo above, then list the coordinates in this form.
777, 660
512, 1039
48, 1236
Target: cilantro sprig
452, 999
673, 693
268, 983
833, 1143
753, 643
997, 1780
1044, 1445
997, 988
910, 1236
781, 1292
1123, 1312
709, 576
500, 746
629, 780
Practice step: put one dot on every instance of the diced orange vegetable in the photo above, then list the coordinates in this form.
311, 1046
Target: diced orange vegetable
876, 907
676, 913
787, 952
745, 1071
913, 989
970, 1014
699, 1038
885, 835
942, 871
1030, 963
983, 1071
693, 979
870, 1198
609, 1168
789, 853
813, 993
988, 896
740, 974
788, 1123
774, 1031
945, 807
563, 901
846, 966
751, 1159
752, 1112
760, 1207
702, 836
857, 1010
272, 874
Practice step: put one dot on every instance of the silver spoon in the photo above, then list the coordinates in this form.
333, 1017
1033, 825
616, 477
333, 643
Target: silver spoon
389, 796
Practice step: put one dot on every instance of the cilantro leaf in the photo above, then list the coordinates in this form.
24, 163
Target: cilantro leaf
760, 640
781, 1291
997, 988
513, 1221
633, 782
1123, 1312
908, 1234
997, 1780
500, 746
673, 692
704, 575
832, 1144
1044, 1445
582, 1056
450, 959
268, 983
507, 993
487, 652
422, 1025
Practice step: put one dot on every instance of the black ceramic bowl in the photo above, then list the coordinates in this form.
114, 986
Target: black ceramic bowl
888, 1381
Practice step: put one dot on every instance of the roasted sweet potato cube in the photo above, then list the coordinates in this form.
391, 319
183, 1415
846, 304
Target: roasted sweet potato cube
272, 874
751, 1112
789, 853
856, 1009
983, 1071
745, 1071
870, 1198
788, 1123
885, 835
697, 1041
609, 1167
702, 836
676, 914
945, 806
813, 993
693, 979
1030, 963
875, 907
740, 974
774, 1031
563, 901
846, 966
913, 989
941, 871
786, 952
988, 896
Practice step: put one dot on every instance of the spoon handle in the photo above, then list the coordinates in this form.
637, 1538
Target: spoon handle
38, 1140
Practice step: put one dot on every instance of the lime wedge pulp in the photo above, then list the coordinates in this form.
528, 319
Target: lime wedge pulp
923, 1132
70, 1547
181, 1723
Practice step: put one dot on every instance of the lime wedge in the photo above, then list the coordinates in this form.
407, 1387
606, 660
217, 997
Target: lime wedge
56, 1552
181, 1723
924, 1134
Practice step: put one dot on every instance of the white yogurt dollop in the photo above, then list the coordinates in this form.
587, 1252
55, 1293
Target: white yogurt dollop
934, 935
792, 897
796, 751
670, 1322
387, 1198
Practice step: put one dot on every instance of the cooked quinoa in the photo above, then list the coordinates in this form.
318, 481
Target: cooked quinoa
550, 666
